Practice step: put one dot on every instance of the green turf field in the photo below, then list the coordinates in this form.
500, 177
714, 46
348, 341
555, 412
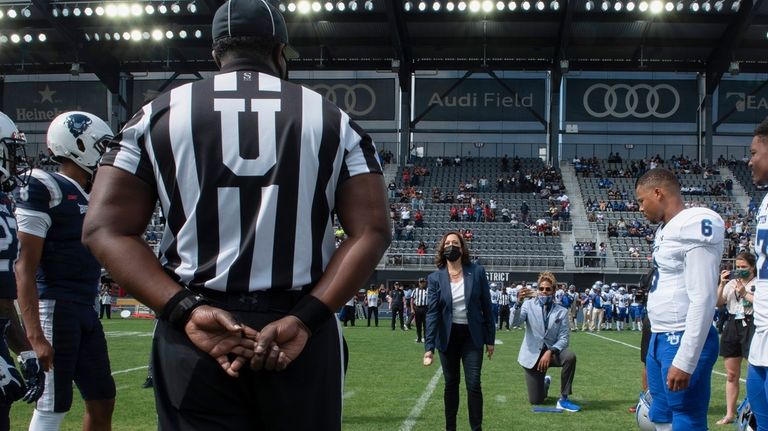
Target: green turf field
386, 384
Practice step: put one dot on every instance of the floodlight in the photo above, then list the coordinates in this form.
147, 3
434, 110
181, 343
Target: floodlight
488, 6
192, 7
590, 5
554, 5
368, 5
42, 37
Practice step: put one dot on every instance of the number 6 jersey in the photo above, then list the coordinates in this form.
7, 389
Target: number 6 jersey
758, 351
686, 255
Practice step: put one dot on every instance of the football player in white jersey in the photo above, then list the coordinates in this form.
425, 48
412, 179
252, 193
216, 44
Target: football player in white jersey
686, 257
757, 373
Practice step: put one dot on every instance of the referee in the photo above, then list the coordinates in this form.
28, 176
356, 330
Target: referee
419, 309
250, 170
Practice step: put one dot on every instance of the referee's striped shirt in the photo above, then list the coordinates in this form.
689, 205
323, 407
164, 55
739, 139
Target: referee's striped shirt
504, 299
420, 297
246, 167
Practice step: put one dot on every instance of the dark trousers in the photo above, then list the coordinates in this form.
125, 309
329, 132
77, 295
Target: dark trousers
535, 378
349, 314
504, 316
395, 312
105, 308
375, 312
461, 349
192, 392
421, 322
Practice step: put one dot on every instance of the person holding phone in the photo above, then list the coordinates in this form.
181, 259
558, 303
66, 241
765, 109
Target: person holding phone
459, 322
545, 344
735, 291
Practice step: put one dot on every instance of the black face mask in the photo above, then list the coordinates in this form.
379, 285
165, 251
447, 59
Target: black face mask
452, 253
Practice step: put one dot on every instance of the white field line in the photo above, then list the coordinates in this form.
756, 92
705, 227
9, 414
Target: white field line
421, 402
129, 370
638, 348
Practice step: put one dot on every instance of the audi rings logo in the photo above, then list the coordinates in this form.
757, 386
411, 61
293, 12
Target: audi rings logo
637, 101
357, 100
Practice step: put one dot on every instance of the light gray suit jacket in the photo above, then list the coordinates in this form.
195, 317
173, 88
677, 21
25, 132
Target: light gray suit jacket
536, 337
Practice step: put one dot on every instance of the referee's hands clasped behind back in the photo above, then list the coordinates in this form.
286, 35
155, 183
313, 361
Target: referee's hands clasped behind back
279, 343
216, 332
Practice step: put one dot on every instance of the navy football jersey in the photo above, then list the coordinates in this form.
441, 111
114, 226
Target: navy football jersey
9, 248
53, 206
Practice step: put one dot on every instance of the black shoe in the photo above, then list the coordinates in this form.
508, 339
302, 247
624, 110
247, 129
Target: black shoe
148, 383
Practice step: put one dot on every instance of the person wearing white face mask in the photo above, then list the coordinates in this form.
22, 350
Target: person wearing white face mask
546, 342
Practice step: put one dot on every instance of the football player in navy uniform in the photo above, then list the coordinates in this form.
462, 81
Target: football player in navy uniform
12, 386
58, 278
681, 303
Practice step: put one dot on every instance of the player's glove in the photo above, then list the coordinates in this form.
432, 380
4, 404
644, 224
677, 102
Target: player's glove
12, 386
33, 375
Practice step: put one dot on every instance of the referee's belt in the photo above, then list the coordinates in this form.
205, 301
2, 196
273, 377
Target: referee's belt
420, 306
273, 300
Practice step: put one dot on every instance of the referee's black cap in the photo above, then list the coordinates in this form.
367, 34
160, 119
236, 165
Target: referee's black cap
257, 18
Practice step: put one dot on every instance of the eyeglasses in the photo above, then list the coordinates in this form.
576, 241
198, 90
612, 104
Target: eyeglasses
546, 289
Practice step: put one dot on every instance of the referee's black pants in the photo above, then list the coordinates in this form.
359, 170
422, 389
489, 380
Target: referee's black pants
421, 322
192, 392
395, 312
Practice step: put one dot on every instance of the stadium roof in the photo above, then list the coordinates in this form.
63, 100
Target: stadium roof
406, 36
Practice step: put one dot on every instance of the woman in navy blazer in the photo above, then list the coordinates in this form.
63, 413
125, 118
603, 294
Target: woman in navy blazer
459, 323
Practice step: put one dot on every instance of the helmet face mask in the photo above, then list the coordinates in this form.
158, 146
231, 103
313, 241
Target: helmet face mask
79, 136
13, 156
642, 414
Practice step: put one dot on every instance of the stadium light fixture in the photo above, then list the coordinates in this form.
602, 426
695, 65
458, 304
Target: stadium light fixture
42, 37
736, 5
116, 36
27, 38
694, 6
630, 6
26, 13
157, 35
669, 6
316, 6
304, 7
169, 35
462, 6
526, 5
408, 6
198, 34
488, 6
149, 9
589, 5
719, 5
126, 35
706, 6
110, 10
183, 34
76, 11
656, 6
680, 6
163, 9
605, 5
55, 12
554, 5
617, 6
328, 6
15, 38
12, 13
642, 6
540, 5
176, 8
107, 36
136, 9
474, 6
123, 10
3, 39
192, 7
100, 11
96, 37
369, 5
422, 6
512, 6
500, 6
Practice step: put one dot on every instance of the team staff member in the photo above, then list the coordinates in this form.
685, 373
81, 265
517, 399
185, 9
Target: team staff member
372, 300
12, 386
419, 304
459, 323
737, 295
58, 279
249, 170
683, 347
545, 344
757, 373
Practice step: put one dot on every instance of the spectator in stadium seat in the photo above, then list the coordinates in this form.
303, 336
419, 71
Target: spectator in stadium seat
459, 323
524, 210
409, 232
468, 235
418, 219
454, 214
406, 177
422, 249
545, 343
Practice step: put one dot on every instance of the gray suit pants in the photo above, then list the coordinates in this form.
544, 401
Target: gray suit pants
537, 391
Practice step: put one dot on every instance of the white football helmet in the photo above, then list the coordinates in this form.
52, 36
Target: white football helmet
13, 156
79, 136
642, 414
746, 419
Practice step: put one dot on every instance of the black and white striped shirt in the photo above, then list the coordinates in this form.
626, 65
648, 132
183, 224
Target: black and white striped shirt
420, 297
246, 167
504, 299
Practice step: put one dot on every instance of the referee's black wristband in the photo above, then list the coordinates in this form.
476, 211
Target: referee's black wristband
178, 309
312, 312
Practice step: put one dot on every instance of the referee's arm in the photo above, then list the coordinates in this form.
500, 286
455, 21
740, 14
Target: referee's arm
361, 204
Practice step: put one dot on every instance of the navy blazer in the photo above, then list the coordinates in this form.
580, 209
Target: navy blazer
477, 295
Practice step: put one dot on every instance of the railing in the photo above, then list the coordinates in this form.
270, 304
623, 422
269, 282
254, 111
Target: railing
413, 261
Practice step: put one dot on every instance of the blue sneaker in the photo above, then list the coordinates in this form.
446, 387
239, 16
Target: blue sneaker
567, 406
547, 382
